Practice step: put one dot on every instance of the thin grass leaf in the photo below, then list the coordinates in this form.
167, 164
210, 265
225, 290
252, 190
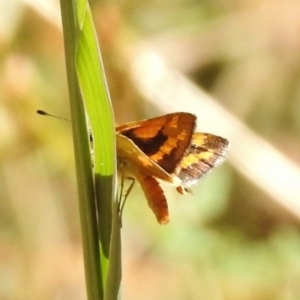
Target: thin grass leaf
84, 173
97, 102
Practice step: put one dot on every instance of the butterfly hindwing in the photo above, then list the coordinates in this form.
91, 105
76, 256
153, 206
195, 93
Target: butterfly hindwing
206, 152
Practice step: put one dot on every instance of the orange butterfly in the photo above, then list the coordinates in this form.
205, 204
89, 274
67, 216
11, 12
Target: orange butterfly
167, 149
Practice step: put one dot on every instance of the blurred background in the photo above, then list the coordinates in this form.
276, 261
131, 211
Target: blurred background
237, 237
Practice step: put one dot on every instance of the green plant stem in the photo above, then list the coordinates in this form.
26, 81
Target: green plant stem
85, 179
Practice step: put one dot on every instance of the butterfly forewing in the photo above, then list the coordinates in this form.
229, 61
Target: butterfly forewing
131, 157
163, 139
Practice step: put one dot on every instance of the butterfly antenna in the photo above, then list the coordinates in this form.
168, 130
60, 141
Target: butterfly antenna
44, 113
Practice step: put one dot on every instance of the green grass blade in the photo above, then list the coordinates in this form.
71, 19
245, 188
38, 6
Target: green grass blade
97, 102
86, 72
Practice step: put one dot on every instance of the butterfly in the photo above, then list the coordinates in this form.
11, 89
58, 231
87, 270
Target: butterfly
167, 149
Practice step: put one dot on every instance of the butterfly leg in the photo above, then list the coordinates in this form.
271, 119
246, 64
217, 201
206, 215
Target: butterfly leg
123, 196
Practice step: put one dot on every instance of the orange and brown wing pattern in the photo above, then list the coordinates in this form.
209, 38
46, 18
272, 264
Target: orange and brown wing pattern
164, 139
206, 152
167, 149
